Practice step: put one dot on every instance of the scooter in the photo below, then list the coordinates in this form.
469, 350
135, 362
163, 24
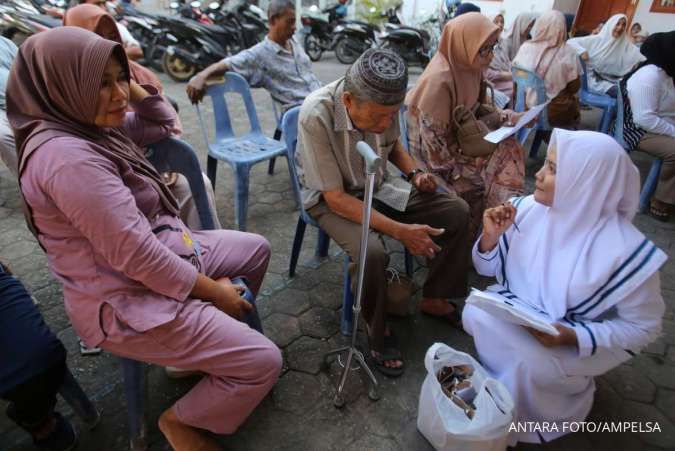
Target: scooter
318, 30
411, 43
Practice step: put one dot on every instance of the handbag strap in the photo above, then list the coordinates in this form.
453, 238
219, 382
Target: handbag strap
549, 64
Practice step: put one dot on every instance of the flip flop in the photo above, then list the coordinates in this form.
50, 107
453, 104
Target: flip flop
387, 354
658, 214
454, 317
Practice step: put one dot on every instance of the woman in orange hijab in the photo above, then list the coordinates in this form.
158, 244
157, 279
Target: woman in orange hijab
455, 77
95, 19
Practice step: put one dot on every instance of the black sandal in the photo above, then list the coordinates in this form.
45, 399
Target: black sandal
660, 214
389, 353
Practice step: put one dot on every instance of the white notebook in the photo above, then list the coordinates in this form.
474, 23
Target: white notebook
510, 308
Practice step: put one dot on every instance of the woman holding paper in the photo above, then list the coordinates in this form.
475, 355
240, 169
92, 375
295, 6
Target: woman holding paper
454, 78
571, 251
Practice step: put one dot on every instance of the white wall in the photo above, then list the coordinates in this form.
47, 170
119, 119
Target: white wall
416, 10
653, 22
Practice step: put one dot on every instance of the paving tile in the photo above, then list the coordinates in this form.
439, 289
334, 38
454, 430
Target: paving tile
319, 322
290, 301
630, 383
306, 354
281, 329
635, 411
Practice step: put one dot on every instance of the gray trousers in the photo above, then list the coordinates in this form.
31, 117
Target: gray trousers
7, 148
447, 276
662, 146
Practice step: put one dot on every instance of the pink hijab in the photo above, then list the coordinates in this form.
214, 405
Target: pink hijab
53, 91
548, 54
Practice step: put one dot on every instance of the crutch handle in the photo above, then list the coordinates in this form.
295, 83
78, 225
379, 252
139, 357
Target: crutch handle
373, 161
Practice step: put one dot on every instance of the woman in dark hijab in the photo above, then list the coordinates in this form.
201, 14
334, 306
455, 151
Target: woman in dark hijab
464, 8
649, 115
136, 281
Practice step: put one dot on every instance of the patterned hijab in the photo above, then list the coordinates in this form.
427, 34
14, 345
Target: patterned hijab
53, 92
91, 18
453, 76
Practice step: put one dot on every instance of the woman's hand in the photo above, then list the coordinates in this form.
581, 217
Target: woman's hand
567, 336
136, 92
230, 300
495, 222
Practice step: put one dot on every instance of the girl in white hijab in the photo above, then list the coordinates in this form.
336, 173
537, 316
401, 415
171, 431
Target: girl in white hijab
518, 33
552, 59
575, 255
610, 55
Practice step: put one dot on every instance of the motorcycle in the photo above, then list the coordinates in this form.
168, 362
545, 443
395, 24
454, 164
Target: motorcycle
20, 19
244, 19
190, 47
318, 31
354, 38
411, 43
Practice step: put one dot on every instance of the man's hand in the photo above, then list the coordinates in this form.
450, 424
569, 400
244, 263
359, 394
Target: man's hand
495, 222
230, 300
567, 336
424, 182
417, 239
195, 89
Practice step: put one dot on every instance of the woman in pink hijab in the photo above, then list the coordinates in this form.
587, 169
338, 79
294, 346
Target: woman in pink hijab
549, 56
136, 281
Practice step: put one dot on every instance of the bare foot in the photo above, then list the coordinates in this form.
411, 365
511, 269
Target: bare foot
436, 306
182, 437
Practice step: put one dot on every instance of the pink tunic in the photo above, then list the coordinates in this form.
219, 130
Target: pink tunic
92, 217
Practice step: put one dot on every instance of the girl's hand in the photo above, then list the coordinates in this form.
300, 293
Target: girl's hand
567, 336
495, 222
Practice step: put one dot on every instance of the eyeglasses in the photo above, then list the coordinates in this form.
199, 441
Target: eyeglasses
486, 49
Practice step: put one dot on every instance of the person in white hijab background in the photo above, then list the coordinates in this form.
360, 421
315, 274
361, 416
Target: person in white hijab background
548, 55
518, 33
610, 55
575, 255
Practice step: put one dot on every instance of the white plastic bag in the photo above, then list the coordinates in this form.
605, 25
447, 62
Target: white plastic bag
445, 425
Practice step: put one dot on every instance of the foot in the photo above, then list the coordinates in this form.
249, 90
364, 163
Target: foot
437, 307
659, 210
395, 363
182, 437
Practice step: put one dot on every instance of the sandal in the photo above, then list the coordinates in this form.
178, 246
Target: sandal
658, 212
390, 352
453, 317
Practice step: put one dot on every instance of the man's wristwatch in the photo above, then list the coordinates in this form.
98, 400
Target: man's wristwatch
411, 175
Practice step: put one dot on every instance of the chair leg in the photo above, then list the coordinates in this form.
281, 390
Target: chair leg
211, 169
347, 302
73, 394
650, 185
606, 120
276, 137
241, 196
538, 138
408, 260
322, 244
134, 391
297, 245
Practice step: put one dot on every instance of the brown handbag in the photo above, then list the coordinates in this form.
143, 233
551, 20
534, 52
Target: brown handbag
473, 124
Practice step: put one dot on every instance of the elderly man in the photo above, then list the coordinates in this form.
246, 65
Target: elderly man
278, 63
364, 105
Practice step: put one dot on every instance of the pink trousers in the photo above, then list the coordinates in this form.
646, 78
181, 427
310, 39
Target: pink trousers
241, 364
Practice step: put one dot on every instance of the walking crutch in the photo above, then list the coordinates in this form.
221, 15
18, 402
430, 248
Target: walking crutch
373, 162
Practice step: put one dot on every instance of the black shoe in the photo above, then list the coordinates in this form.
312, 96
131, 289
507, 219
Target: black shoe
62, 438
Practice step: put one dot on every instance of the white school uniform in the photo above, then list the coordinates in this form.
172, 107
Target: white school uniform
583, 263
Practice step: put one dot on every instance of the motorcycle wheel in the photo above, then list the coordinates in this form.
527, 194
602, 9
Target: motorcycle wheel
313, 47
177, 68
344, 53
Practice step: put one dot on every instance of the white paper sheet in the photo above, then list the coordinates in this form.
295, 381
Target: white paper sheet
502, 133
511, 309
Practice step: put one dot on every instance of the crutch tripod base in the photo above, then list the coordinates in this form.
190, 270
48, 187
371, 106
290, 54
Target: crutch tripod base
373, 162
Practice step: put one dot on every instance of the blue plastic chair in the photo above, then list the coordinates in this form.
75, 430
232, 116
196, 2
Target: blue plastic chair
241, 152
652, 179
168, 155
289, 127
525, 79
607, 103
